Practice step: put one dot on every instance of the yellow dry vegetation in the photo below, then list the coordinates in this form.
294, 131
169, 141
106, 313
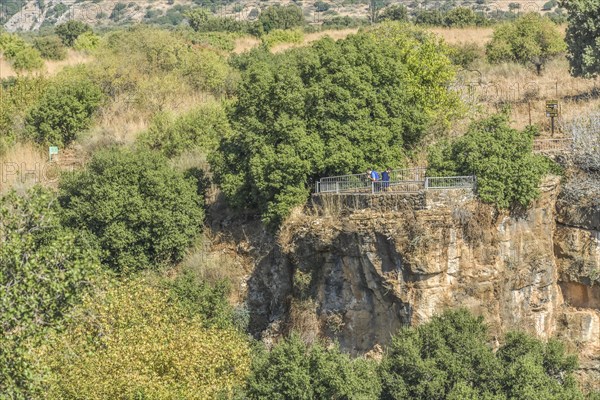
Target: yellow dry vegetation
130, 341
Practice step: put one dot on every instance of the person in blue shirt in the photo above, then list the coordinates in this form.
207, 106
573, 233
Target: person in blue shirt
374, 177
385, 177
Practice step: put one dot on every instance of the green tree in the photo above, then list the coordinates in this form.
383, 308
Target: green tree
396, 12
334, 107
142, 212
460, 17
508, 173
583, 37
50, 47
449, 358
280, 17
44, 267
64, 110
530, 39
69, 31
293, 370
27, 59
87, 41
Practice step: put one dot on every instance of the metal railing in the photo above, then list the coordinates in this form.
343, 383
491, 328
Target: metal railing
359, 183
450, 182
552, 145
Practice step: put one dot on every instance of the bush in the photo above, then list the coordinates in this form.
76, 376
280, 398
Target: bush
65, 110
200, 128
508, 173
142, 212
331, 108
70, 31
449, 358
87, 41
397, 12
23, 57
292, 370
50, 47
465, 55
460, 17
278, 36
280, 17
44, 267
130, 341
530, 39
583, 35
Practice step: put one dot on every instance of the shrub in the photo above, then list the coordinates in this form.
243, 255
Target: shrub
130, 341
27, 59
583, 36
200, 128
397, 12
530, 39
332, 108
292, 370
64, 110
465, 55
460, 17
44, 267
50, 47
449, 358
69, 31
280, 17
87, 41
508, 173
142, 212
278, 36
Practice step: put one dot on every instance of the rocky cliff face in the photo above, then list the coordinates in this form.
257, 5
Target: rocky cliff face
358, 276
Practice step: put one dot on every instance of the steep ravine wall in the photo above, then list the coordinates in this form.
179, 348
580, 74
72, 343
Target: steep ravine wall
359, 276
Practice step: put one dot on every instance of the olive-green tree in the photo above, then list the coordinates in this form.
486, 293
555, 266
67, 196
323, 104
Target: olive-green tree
44, 267
530, 39
508, 173
142, 212
450, 358
334, 107
69, 31
583, 37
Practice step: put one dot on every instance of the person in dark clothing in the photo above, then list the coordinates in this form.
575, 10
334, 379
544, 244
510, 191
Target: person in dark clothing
385, 177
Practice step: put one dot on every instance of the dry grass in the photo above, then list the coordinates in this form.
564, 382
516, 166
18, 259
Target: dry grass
6, 70
23, 166
479, 36
50, 68
311, 37
245, 43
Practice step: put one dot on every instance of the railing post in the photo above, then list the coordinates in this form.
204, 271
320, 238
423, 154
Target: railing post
426, 183
372, 187
337, 187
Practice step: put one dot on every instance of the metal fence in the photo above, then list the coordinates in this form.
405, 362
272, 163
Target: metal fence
449, 182
402, 181
552, 145
361, 183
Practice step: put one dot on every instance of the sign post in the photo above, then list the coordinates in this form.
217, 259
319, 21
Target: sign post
52, 151
552, 111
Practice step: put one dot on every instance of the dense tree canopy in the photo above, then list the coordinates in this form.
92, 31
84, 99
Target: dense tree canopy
130, 342
583, 37
449, 358
43, 269
69, 31
508, 173
142, 212
334, 107
280, 17
293, 370
530, 39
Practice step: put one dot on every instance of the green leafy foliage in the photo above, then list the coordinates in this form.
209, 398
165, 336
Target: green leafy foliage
465, 55
508, 173
69, 31
130, 341
64, 110
449, 358
21, 54
44, 267
460, 17
17, 97
50, 47
200, 128
142, 212
334, 107
396, 12
583, 37
87, 41
278, 36
530, 39
293, 370
280, 17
